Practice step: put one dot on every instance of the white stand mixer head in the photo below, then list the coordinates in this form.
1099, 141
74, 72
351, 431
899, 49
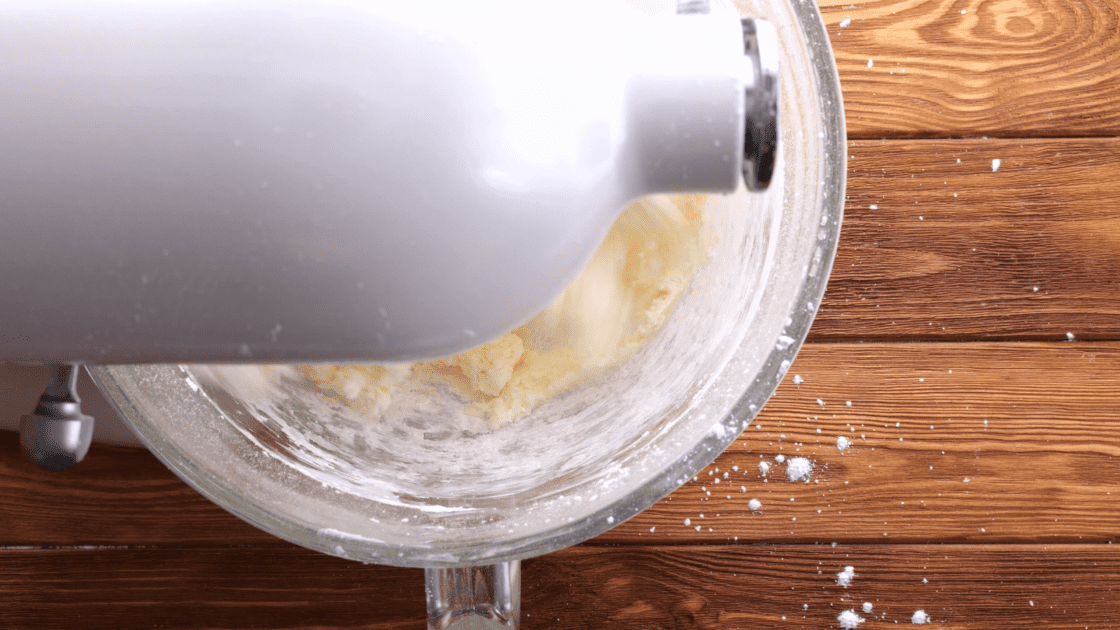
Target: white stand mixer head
298, 181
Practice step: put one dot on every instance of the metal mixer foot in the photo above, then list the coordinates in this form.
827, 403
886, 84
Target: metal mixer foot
57, 435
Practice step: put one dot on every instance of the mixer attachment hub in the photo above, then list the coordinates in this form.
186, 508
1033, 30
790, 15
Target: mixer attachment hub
760, 149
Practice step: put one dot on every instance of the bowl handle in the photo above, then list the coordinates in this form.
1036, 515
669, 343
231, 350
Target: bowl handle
474, 597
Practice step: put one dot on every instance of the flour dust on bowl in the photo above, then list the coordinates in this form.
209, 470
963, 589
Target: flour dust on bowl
427, 486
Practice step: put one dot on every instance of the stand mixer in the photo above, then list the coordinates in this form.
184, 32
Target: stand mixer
467, 505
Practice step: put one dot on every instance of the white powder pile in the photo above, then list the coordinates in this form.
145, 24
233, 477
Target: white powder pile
780, 458
842, 443
764, 467
995, 165
867, 607
919, 616
797, 380
799, 469
844, 578
755, 505
849, 619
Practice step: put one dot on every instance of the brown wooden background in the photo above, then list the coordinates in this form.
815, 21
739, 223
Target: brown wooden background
983, 484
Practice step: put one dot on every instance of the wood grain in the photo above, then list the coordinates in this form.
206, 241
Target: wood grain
977, 442
935, 245
1031, 425
725, 587
951, 68
115, 496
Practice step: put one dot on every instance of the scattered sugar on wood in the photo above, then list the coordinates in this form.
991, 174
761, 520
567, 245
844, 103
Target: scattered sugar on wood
995, 165
870, 63
764, 467
797, 380
919, 617
780, 459
844, 578
842, 443
867, 607
755, 505
849, 619
799, 469
846, 22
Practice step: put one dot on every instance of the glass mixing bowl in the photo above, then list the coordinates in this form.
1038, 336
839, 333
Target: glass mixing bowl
422, 489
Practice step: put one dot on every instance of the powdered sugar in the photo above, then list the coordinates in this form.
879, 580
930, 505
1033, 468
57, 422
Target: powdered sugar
799, 469
849, 619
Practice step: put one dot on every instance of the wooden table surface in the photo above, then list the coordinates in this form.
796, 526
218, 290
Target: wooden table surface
968, 345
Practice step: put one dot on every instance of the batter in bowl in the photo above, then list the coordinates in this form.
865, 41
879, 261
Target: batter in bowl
616, 303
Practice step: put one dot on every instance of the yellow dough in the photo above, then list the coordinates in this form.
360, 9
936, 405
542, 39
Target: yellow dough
619, 299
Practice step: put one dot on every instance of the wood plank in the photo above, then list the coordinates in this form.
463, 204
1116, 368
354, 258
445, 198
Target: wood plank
116, 496
1031, 427
1043, 468
255, 587
933, 248
725, 587
784, 586
950, 68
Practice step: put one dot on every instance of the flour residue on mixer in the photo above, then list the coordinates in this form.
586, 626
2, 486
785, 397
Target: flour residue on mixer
617, 302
